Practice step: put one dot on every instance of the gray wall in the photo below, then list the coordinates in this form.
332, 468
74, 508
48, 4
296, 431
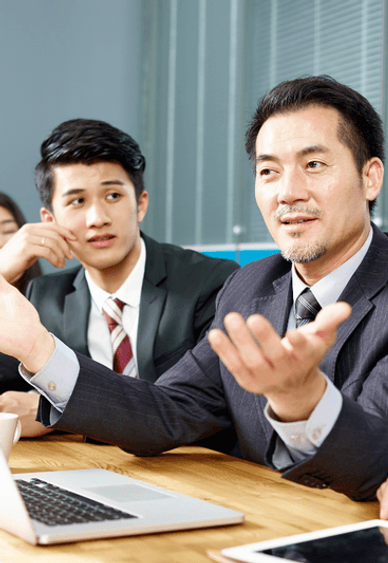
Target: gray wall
60, 60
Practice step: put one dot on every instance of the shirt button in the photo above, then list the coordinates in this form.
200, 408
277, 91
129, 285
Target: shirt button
51, 386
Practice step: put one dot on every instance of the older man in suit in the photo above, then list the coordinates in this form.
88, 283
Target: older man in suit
299, 397
90, 181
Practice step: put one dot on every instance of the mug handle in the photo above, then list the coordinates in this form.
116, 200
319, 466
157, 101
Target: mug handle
18, 431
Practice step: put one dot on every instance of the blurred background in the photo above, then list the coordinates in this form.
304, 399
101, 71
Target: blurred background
182, 77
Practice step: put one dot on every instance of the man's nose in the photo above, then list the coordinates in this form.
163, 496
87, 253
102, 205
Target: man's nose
97, 216
292, 187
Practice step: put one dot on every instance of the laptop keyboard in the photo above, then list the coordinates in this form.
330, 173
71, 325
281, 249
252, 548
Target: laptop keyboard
55, 506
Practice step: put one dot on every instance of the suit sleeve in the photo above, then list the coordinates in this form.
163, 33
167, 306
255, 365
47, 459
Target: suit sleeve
141, 417
353, 460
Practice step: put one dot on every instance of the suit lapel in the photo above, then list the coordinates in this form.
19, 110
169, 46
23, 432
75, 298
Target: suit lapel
76, 315
151, 308
275, 306
369, 279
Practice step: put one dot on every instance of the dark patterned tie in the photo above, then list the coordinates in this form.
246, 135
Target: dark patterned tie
306, 308
121, 347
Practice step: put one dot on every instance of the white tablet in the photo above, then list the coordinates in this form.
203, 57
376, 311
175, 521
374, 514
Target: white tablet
364, 542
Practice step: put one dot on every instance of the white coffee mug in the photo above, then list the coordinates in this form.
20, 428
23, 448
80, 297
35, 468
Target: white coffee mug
10, 430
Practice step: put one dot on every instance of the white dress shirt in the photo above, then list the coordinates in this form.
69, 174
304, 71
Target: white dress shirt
296, 441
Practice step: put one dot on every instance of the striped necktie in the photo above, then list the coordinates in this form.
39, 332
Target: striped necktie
123, 360
306, 308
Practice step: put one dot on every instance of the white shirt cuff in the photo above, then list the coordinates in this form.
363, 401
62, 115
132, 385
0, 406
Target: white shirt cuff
56, 380
298, 440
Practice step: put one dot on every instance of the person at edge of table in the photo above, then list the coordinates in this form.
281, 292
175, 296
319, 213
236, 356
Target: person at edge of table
311, 401
90, 181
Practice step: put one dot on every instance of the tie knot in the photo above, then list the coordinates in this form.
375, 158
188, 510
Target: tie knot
120, 304
306, 308
113, 312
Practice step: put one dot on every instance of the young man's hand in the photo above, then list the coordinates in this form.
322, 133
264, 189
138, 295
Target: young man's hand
285, 370
33, 241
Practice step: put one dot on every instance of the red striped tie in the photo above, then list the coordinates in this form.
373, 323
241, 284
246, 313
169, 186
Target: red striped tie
123, 360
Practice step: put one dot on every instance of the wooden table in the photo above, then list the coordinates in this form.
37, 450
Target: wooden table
273, 506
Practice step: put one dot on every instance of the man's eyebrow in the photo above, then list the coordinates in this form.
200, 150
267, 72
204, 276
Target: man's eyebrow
312, 149
303, 152
112, 182
73, 191
264, 157
7, 221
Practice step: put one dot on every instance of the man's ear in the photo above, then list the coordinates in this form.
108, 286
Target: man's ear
46, 216
142, 206
373, 173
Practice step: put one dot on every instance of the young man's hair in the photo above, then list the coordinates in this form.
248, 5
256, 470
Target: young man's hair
87, 141
360, 126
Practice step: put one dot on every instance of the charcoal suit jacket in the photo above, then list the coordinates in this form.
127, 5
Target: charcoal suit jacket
199, 397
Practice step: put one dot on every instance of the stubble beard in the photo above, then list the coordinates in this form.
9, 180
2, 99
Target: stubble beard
304, 254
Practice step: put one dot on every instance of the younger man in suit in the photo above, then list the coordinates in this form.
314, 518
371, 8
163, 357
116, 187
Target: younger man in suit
90, 181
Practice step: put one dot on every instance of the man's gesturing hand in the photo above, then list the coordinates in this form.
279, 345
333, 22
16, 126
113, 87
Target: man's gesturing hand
21, 333
285, 370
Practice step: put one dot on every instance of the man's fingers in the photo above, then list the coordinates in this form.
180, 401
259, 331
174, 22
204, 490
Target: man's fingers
63, 231
268, 340
45, 240
330, 317
53, 248
244, 339
226, 351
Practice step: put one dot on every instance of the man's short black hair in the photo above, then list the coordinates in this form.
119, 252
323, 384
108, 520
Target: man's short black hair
87, 141
360, 126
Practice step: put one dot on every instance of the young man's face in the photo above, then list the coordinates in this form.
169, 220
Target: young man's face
309, 190
97, 203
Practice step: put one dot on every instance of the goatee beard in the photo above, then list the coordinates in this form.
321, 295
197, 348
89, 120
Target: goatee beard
304, 255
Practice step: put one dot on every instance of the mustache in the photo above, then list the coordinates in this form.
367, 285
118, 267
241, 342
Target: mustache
298, 208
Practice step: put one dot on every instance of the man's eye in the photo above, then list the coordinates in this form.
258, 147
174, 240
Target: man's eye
77, 201
314, 164
266, 172
114, 195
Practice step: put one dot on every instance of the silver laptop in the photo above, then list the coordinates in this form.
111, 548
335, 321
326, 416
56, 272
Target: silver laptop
74, 505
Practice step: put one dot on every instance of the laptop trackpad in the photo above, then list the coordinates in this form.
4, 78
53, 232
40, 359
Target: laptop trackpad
126, 493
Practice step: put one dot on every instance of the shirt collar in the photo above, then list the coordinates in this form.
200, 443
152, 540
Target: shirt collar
328, 289
129, 292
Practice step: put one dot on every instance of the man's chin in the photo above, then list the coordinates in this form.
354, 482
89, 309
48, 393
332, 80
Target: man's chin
303, 254
99, 264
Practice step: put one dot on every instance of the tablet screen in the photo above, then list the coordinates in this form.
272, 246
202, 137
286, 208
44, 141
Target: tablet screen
359, 546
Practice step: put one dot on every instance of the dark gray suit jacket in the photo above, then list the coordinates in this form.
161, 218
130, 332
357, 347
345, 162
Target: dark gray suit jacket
199, 397
177, 304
